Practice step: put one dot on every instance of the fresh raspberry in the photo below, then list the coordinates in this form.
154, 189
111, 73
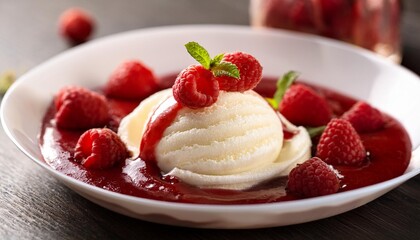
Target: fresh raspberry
340, 144
76, 25
131, 80
313, 178
80, 108
364, 118
250, 71
100, 148
303, 106
196, 87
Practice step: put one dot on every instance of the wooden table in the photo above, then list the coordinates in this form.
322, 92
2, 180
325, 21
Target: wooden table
34, 205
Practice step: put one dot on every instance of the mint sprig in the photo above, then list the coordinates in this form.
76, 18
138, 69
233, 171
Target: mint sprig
226, 69
199, 53
215, 65
217, 60
282, 85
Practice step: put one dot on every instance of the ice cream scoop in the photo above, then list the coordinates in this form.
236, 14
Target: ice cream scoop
236, 143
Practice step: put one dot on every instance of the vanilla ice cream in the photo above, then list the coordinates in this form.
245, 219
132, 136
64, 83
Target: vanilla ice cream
235, 143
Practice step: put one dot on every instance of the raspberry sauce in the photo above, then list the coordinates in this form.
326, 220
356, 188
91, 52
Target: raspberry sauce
389, 155
156, 127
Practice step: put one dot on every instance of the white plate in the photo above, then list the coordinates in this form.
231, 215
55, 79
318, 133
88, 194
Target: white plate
339, 66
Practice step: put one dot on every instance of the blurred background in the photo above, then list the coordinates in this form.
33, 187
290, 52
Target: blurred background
29, 29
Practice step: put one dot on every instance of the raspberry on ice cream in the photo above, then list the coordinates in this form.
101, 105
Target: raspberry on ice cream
250, 71
195, 87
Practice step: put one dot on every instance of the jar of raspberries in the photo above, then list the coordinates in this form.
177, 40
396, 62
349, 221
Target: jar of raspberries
371, 24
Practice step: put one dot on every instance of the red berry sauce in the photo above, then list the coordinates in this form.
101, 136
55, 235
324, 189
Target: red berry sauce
389, 155
156, 127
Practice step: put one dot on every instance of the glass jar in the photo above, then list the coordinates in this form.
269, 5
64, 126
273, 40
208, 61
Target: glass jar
371, 24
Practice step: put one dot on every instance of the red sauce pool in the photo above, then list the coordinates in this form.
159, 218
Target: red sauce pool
389, 149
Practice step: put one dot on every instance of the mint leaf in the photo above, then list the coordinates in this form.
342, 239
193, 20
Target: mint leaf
283, 84
315, 131
225, 69
199, 53
216, 60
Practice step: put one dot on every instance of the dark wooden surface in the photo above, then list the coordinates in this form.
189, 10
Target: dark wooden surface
33, 205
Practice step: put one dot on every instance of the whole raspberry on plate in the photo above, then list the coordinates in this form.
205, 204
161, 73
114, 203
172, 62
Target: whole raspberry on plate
79, 108
340, 144
100, 148
313, 178
303, 106
250, 71
364, 118
131, 80
76, 25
